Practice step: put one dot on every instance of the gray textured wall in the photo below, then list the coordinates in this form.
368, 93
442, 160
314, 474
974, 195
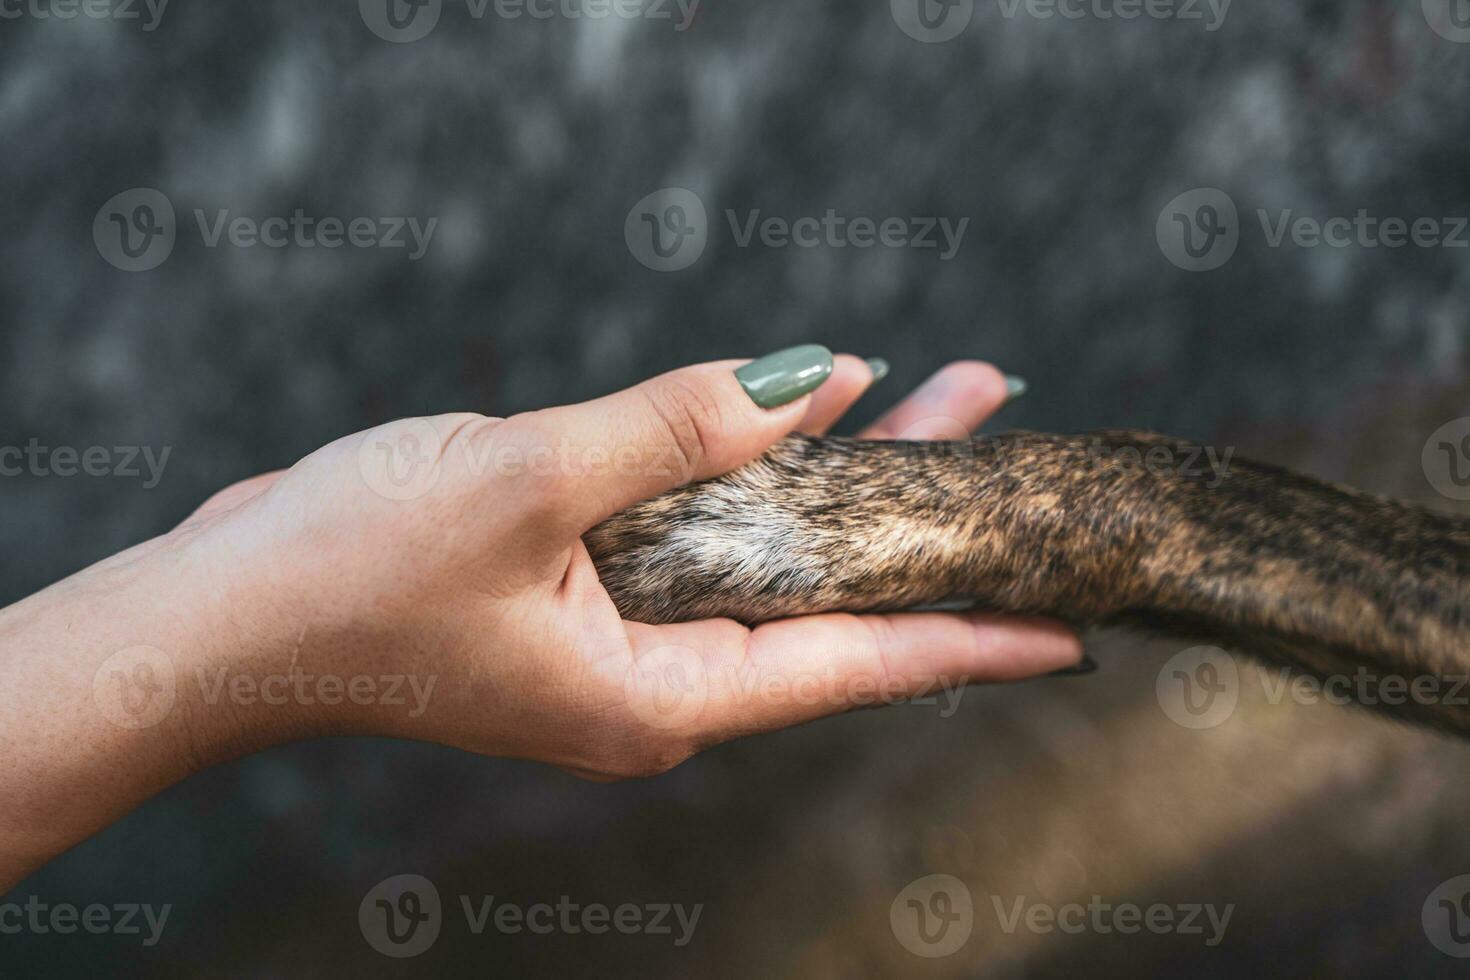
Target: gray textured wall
529, 140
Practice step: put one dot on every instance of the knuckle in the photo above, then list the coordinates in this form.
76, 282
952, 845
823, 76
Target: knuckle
467, 427
689, 416
883, 639
437, 438
460, 435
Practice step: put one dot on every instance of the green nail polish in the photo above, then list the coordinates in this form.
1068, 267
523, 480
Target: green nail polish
783, 377
879, 367
1015, 387
1085, 666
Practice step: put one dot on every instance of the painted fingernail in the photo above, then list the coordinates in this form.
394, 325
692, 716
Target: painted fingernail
879, 367
783, 377
1015, 387
1084, 666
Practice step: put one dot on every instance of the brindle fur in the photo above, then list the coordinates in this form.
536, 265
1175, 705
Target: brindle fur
1316, 576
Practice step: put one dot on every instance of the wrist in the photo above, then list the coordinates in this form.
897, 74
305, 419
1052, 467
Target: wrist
235, 643
109, 659
296, 640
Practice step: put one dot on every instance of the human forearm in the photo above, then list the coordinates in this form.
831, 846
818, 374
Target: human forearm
100, 711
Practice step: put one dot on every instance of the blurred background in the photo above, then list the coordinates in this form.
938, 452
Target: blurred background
1097, 159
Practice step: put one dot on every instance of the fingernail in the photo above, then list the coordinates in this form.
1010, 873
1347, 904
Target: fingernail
1084, 666
879, 367
783, 377
1015, 387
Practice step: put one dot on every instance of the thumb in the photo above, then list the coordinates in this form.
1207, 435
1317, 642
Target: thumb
692, 424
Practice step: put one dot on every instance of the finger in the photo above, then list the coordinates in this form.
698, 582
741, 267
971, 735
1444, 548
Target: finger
851, 377
796, 670
950, 405
695, 423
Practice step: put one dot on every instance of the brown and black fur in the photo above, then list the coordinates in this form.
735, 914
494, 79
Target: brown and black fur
1111, 528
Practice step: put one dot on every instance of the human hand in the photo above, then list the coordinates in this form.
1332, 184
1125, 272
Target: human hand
448, 550
426, 579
